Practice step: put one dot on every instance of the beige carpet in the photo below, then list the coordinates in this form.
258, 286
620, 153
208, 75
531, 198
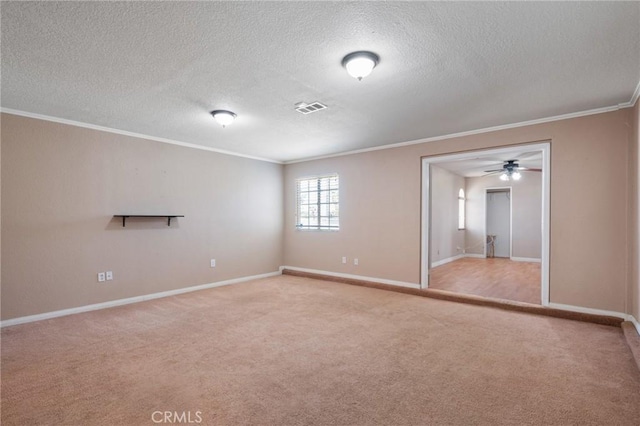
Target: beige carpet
296, 351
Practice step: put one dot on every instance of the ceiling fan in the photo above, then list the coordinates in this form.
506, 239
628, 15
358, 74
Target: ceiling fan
511, 170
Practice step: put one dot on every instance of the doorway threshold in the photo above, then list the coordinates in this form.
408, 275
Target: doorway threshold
449, 296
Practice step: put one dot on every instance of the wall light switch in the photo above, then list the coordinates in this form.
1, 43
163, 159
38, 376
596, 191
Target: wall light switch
355, 261
213, 263
101, 277
109, 275
344, 259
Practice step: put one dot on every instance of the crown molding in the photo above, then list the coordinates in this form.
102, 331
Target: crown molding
131, 134
635, 96
470, 132
629, 104
633, 100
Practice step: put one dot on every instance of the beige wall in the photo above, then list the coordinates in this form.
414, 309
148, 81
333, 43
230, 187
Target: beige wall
446, 240
634, 222
61, 185
526, 196
380, 208
379, 198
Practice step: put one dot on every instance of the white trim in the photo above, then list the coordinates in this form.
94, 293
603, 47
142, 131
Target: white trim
578, 114
475, 255
633, 100
469, 133
526, 259
127, 301
425, 226
545, 259
568, 116
352, 277
635, 323
592, 311
572, 308
447, 260
131, 134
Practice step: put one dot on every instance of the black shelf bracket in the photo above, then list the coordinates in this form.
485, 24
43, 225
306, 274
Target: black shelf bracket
125, 216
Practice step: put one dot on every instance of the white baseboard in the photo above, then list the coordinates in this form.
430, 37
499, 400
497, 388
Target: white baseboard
635, 323
516, 259
626, 317
447, 260
352, 277
129, 300
526, 259
582, 310
479, 256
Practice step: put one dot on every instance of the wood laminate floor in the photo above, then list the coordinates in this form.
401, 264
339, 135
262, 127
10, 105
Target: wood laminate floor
495, 277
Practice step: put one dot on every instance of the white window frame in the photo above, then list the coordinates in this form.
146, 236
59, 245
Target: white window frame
322, 190
462, 217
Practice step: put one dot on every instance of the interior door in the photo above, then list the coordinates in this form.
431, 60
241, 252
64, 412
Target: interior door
499, 220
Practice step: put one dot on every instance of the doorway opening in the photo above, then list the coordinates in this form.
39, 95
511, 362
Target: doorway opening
485, 223
498, 222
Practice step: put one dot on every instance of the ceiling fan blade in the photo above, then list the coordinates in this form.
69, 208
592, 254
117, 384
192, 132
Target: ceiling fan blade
529, 169
530, 154
494, 171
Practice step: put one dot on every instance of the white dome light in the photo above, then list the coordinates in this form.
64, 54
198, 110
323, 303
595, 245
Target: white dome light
360, 64
223, 117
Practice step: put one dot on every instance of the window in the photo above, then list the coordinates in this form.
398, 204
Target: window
317, 203
461, 207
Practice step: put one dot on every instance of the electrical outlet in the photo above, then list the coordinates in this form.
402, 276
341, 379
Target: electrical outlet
355, 261
109, 275
344, 259
101, 277
213, 263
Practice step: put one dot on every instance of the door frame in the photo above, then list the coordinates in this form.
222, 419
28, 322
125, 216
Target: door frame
486, 192
425, 233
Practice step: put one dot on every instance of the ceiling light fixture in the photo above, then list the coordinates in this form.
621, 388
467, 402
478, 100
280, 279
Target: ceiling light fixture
360, 64
223, 117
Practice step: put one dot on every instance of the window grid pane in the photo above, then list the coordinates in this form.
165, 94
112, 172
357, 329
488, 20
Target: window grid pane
317, 203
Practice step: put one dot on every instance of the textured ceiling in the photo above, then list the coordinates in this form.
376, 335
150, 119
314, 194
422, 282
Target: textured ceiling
479, 166
158, 68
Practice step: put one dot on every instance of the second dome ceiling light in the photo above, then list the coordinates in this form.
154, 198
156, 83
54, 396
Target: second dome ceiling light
360, 64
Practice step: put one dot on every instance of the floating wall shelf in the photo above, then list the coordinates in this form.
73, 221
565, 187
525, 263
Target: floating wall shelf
169, 217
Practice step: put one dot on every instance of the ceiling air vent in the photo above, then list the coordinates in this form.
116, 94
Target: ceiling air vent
303, 108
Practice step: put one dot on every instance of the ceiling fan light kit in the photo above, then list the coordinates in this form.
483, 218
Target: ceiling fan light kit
511, 171
514, 175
